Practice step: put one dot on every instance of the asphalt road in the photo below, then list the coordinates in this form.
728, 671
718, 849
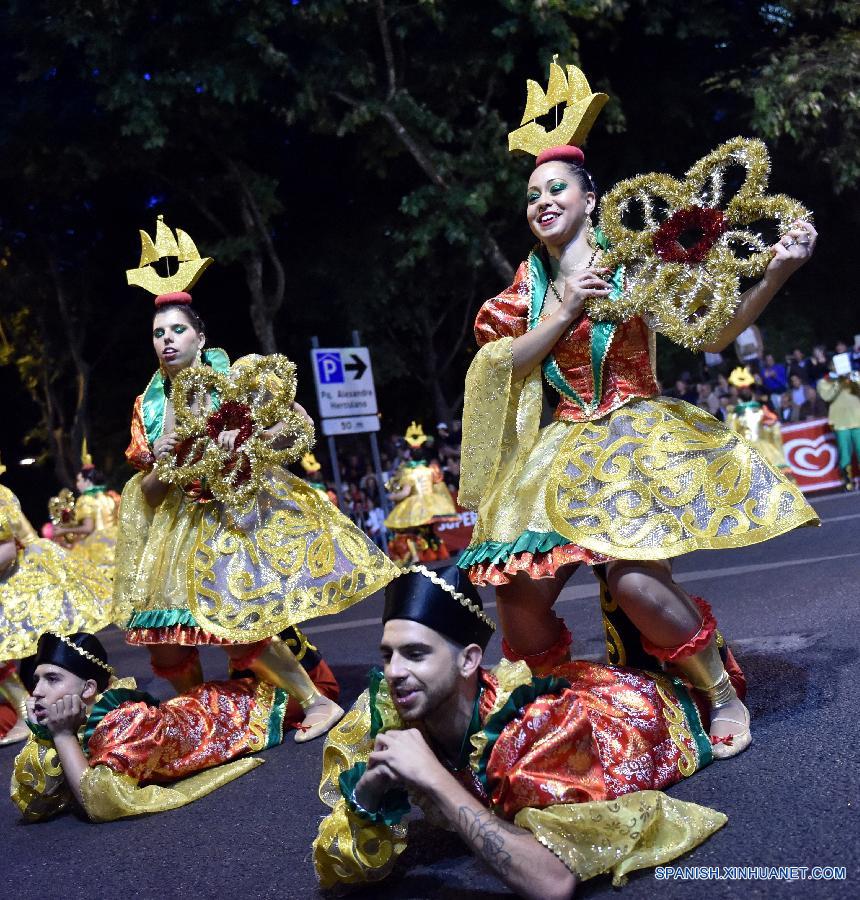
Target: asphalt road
789, 608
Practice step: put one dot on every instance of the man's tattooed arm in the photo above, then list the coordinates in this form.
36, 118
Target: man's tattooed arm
485, 834
514, 854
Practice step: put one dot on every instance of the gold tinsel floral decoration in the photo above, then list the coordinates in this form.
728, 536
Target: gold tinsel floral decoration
689, 290
254, 395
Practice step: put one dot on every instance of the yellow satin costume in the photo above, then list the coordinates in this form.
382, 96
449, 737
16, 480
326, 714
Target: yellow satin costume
428, 500
620, 473
99, 547
189, 744
192, 571
758, 426
45, 588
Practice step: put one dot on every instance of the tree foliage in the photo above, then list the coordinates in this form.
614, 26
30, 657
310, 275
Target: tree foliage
345, 162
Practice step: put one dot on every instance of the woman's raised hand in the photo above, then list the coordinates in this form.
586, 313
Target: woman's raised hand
581, 285
164, 445
794, 248
227, 439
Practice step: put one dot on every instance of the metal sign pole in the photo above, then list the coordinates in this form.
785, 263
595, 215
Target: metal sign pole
332, 452
377, 463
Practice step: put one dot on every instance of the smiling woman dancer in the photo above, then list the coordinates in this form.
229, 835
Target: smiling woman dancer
194, 570
659, 476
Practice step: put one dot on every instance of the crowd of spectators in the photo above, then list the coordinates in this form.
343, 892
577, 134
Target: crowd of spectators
363, 494
786, 387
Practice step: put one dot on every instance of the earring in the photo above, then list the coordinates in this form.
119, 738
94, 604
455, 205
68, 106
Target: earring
590, 236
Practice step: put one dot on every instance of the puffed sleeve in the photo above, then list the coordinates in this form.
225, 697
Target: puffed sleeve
139, 453
828, 389
351, 848
39, 787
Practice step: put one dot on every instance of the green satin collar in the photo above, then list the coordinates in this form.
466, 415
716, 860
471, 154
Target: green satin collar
155, 400
602, 333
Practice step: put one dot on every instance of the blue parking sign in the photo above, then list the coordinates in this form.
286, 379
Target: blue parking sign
329, 368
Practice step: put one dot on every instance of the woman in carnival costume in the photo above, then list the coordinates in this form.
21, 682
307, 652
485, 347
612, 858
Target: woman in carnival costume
420, 498
623, 478
94, 738
755, 423
96, 517
219, 543
41, 587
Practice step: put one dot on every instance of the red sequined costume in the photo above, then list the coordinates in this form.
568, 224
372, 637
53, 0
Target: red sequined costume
546, 753
131, 740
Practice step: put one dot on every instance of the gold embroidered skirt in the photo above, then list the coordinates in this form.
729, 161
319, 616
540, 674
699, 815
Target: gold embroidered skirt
242, 575
422, 509
48, 589
99, 548
651, 480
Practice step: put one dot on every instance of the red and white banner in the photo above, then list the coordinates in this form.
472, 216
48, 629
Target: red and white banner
457, 534
810, 448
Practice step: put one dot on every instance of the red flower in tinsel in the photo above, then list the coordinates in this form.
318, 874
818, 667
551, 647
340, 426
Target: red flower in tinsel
709, 221
230, 416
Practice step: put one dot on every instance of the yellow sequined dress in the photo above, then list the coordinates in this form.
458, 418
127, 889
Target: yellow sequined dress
428, 500
620, 473
99, 547
193, 571
758, 426
45, 588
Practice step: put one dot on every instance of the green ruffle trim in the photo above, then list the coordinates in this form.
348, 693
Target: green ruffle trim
519, 697
501, 551
697, 729
110, 700
40, 732
395, 804
161, 618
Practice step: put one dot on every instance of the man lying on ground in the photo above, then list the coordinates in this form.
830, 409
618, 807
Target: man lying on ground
549, 780
113, 751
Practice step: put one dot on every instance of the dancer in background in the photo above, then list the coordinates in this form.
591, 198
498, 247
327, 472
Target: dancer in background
42, 587
420, 498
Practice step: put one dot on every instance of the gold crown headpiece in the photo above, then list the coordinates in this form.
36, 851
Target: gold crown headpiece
565, 86
167, 244
86, 458
415, 436
741, 377
2, 467
440, 582
85, 653
310, 464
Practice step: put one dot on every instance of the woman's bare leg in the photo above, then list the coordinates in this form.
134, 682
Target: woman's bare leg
532, 631
273, 661
671, 623
176, 663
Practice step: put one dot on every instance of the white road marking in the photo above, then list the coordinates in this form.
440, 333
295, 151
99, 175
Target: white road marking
583, 591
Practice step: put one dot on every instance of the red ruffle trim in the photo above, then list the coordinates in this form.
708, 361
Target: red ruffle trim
697, 642
6, 669
546, 660
188, 635
535, 565
191, 661
8, 718
245, 662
